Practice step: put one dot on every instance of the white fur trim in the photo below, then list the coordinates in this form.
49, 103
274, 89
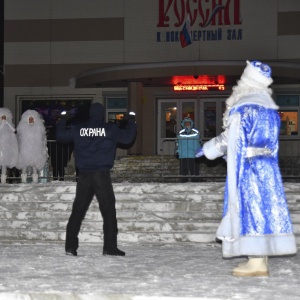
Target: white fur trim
210, 150
262, 99
251, 73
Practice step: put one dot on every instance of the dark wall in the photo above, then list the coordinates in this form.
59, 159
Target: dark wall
1, 52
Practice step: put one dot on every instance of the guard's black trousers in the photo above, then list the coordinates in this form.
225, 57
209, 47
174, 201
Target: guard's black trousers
90, 184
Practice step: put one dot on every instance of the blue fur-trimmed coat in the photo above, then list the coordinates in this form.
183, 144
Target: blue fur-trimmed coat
256, 219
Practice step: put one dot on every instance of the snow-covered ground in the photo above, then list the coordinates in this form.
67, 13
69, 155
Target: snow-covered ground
148, 271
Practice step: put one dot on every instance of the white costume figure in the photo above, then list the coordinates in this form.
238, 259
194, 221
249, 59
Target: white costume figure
8, 143
32, 140
256, 220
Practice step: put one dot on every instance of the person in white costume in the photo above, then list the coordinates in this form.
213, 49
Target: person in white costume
256, 220
32, 142
8, 143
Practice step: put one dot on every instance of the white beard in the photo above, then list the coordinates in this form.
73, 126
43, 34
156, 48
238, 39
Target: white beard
244, 87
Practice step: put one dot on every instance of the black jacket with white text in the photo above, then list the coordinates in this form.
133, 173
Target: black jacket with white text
95, 140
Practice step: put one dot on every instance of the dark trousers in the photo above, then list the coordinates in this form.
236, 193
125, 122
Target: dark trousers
188, 166
88, 185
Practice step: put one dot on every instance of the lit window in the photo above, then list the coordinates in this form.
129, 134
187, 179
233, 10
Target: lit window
289, 122
289, 114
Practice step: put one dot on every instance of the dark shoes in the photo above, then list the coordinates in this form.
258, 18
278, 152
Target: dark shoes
114, 252
71, 252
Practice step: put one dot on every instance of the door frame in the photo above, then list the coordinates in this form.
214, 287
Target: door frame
179, 105
219, 114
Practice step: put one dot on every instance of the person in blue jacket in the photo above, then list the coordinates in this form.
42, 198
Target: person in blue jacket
94, 151
188, 141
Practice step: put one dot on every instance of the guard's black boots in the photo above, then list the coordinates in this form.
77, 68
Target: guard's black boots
114, 252
110, 246
71, 252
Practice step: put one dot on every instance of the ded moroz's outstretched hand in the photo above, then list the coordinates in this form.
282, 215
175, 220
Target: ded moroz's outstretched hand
199, 152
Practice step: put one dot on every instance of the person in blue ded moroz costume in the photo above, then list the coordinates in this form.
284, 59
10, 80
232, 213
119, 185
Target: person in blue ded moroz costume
256, 220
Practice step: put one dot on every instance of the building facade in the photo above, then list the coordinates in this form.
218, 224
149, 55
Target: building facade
133, 55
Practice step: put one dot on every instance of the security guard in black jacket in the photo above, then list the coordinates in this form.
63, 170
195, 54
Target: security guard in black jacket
94, 150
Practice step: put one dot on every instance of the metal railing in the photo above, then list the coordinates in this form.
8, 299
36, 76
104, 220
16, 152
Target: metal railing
59, 166
200, 170
289, 162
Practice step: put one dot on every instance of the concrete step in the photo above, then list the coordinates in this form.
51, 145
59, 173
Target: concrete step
161, 169
121, 215
146, 212
124, 226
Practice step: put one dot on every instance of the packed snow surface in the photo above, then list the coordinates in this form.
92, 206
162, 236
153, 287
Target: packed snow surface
40, 270
148, 271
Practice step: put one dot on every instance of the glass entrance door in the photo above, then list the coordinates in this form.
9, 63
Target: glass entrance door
170, 115
212, 118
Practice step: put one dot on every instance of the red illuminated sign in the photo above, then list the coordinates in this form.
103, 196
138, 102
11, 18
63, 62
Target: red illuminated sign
198, 87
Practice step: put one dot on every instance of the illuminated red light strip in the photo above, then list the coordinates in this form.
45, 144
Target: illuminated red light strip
198, 87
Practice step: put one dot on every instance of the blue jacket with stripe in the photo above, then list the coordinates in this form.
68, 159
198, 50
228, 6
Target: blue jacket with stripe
188, 143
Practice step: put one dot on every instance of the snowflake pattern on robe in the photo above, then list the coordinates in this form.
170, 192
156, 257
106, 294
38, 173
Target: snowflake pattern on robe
256, 219
261, 195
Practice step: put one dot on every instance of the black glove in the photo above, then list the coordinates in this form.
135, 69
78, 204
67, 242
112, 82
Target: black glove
131, 116
177, 155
